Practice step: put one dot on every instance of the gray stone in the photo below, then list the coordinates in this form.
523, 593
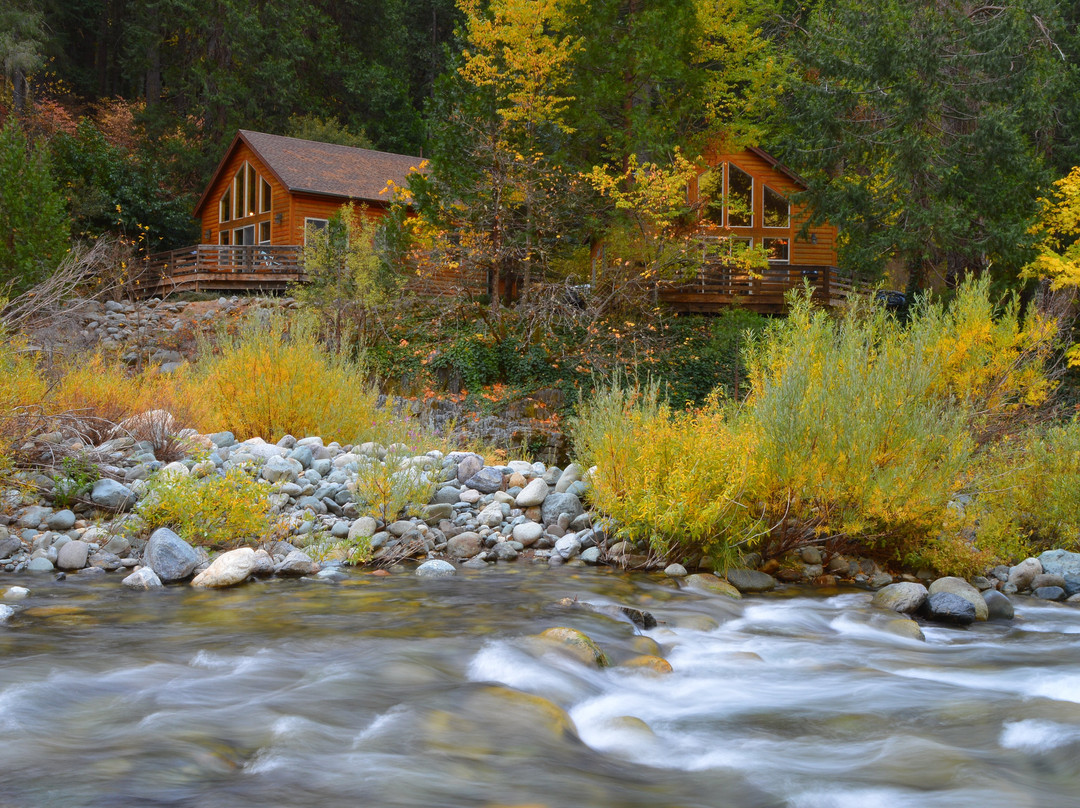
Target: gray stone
1060, 562
400, 528
228, 569
61, 520
464, 545
40, 565
532, 494
905, 597
961, 588
491, 516
111, 495
998, 606
73, 555
478, 562
570, 475
1048, 579
340, 530
1024, 573
297, 563
528, 533
107, 561
1049, 593
558, 504
945, 607
810, 555
302, 455
362, 528
436, 568
707, 582
487, 481
263, 564
591, 555
9, 545
505, 551
675, 571
33, 516
468, 466
16, 593
223, 440
568, 547
746, 580
447, 495
143, 578
117, 545
172, 558
281, 469
880, 580
6, 613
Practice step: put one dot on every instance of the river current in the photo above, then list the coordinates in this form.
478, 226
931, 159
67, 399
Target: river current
401, 691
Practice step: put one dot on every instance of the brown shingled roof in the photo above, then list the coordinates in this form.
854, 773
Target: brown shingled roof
326, 168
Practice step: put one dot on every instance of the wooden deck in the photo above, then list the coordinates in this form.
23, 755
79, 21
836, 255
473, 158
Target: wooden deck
210, 267
717, 287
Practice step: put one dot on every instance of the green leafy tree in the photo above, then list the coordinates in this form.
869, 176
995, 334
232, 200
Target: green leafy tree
33, 225
920, 128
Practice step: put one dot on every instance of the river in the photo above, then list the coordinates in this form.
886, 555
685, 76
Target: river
401, 691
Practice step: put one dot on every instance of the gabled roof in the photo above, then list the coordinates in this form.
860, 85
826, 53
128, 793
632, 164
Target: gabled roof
308, 166
783, 169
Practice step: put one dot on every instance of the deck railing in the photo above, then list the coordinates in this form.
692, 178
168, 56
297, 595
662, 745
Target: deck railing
718, 285
223, 267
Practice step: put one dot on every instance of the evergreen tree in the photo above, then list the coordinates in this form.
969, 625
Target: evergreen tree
33, 227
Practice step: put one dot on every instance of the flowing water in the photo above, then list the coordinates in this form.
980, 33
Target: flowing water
399, 691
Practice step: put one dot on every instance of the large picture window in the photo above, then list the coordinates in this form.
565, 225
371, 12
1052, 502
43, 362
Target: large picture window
775, 209
740, 198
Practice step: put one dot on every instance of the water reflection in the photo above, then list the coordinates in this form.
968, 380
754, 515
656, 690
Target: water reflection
404, 692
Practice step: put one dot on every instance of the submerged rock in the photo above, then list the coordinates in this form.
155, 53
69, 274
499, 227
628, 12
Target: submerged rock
436, 568
577, 645
707, 582
144, 578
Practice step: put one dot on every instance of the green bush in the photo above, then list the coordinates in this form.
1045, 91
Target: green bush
391, 486
215, 511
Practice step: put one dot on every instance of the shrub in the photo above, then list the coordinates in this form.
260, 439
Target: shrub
858, 431
216, 511
390, 486
21, 387
275, 378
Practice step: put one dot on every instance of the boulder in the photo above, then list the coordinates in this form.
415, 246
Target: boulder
111, 495
1065, 564
464, 545
436, 568
998, 606
945, 607
534, 493
33, 516
9, 545
228, 569
491, 516
557, 504
1049, 593
577, 645
961, 588
568, 547
281, 469
297, 563
570, 475
468, 466
1024, 573
6, 613
73, 555
487, 481
528, 533
750, 580
706, 582
143, 578
905, 597
362, 528
675, 571
61, 520
172, 558
505, 551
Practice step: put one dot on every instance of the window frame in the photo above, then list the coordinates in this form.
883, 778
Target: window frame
787, 248
307, 225
765, 189
728, 166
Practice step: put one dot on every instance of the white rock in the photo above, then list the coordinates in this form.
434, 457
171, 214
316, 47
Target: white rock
143, 578
6, 613
363, 528
528, 533
227, 569
491, 516
533, 494
176, 469
16, 593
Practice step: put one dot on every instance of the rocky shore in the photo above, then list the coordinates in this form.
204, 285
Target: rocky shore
479, 517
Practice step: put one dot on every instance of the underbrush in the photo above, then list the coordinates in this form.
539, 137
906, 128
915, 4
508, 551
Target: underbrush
213, 511
858, 433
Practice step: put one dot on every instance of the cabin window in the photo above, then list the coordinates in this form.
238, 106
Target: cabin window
776, 249
264, 232
225, 206
740, 198
711, 193
224, 237
266, 196
244, 235
776, 211
252, 191
313, 225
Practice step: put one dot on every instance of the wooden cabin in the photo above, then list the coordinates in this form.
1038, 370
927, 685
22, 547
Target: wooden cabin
267, 194
744, 198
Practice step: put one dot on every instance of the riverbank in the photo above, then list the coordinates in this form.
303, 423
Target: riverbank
324, 506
